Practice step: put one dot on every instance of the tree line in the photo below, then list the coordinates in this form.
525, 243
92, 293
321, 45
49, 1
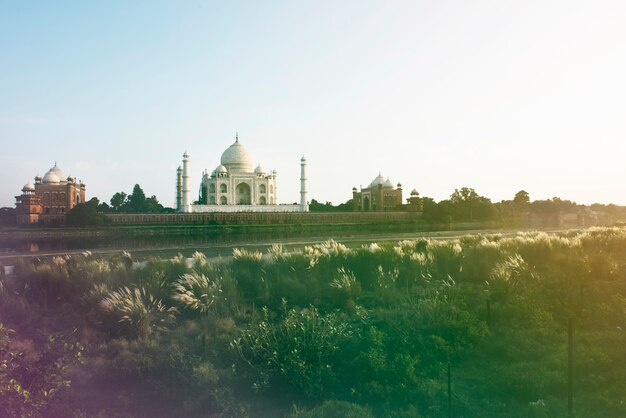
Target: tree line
466, 205
91, 213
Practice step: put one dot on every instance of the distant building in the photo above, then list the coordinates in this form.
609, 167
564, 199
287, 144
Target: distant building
380, 196
234, 186
49, 199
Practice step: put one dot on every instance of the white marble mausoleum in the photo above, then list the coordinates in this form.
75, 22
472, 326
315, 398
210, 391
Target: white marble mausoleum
234, 186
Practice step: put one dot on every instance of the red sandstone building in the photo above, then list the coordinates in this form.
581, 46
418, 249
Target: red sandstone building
380, 196
49, 199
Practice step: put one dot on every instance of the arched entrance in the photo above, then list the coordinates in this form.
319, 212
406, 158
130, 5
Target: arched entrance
366, 203
243, 194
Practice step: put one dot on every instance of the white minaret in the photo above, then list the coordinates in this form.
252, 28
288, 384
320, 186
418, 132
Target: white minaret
303, 205
186, 191
179, 188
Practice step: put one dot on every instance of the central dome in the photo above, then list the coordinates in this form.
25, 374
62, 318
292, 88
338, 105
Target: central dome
236, 157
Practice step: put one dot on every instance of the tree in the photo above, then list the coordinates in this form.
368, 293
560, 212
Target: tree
467, 205
316, 206
86, 214
152, 205
104, 208
117, 201
7, 216
463, 202
137, 200
521, 201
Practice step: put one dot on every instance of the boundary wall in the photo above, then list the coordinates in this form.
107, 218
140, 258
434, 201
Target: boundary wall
259, 218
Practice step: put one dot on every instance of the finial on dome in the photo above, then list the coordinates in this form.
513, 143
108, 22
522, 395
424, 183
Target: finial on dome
236, 136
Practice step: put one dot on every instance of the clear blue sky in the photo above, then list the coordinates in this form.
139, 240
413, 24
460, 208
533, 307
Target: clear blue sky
495, 95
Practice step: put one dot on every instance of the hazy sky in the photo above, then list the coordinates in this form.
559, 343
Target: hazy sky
494, 95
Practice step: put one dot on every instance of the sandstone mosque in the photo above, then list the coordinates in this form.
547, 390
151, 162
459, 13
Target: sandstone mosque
234, 186
49, 199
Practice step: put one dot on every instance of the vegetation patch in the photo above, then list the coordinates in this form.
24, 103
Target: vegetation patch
383, 329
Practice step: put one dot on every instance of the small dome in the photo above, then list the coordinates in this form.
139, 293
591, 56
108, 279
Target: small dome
259, 170
221, 169
388, 183
28, 187
50, 178
236, 157
414, 193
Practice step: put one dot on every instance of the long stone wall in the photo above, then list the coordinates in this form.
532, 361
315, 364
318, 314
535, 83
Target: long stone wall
259, 218
245, 208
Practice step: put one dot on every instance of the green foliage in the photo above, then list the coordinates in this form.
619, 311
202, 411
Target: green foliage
335, 409
136, 202
86, 214
7, 217
299, 352
33, 377
316, 206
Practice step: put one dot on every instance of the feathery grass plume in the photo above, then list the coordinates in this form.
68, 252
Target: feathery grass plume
243, 254
403, 249
127, 260
98, 292
348, 289
345, 281
90, 270
247, 269
386, 280
512, 270
197, 292
373, 248
199, 259
277, 252
58, 261
139, 310
180, 260
506, 276
327, 250
446, 260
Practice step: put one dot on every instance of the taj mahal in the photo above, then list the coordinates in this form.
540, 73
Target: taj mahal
234, 186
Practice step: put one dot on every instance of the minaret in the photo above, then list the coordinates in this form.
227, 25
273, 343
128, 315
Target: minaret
303, 205
179, 188
186, 206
